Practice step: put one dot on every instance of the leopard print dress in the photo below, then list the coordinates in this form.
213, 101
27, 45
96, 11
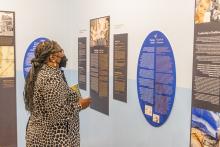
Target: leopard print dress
54, 120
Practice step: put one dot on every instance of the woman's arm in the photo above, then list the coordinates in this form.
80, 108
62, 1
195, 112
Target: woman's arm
59, 101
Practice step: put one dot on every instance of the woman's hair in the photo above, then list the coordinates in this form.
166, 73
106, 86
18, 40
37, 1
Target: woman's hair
42, 52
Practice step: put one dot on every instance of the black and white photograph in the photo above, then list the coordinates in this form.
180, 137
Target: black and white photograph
6, 24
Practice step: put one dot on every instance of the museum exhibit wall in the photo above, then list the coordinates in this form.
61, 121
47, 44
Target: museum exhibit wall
66, 21
125, 125
35, 19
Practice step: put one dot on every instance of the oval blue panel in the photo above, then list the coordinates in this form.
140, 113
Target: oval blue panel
30, 54
156, 78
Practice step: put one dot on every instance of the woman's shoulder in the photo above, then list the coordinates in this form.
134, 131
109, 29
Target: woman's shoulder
49, 72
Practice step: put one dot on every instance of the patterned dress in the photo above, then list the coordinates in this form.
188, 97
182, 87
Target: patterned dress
55, 117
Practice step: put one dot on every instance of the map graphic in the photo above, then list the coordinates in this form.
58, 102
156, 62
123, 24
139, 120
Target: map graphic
6, 61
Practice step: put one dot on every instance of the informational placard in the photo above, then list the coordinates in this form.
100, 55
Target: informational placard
8, 121
30, 54
120, 67
156, 78
82, 62
99, 63
205, 125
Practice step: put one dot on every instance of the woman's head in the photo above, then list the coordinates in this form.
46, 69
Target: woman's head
47, 52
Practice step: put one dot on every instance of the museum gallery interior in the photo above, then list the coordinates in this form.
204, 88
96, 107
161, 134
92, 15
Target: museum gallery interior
151, 69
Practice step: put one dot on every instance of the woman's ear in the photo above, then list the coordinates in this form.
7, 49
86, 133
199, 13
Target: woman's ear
51, 58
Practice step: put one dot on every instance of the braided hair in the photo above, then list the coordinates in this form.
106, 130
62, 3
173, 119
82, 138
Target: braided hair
42, 52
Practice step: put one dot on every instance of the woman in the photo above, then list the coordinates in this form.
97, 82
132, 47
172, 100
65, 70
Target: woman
53, 106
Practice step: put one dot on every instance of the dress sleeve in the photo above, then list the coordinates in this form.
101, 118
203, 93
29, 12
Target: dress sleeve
60, 101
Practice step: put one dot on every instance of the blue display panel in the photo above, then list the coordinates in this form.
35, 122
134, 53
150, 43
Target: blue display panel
156, 78
30, 54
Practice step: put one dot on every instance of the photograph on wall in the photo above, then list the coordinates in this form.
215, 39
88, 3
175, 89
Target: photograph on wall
7, 28
99, 31
120, 67
8, 127
205, 124
6, 24
99, 63
207, 11
82, 62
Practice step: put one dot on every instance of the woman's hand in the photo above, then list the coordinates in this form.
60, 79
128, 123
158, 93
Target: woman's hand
85, 102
